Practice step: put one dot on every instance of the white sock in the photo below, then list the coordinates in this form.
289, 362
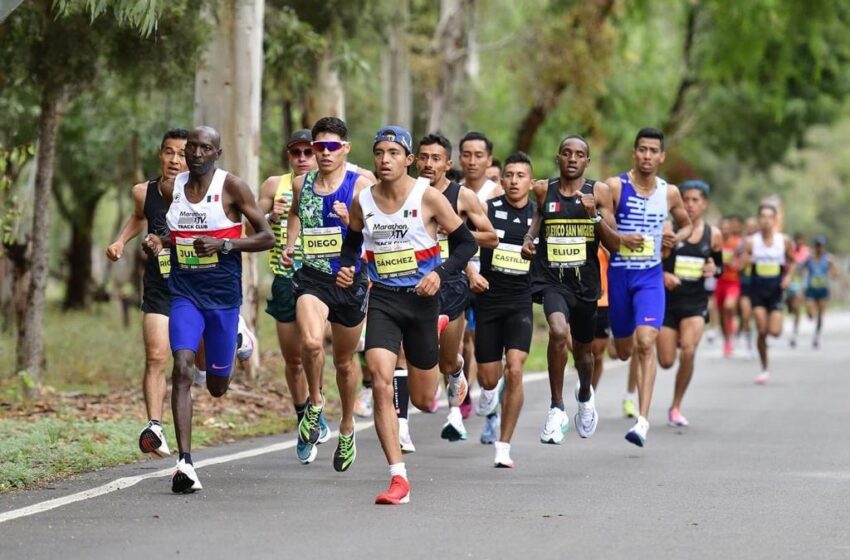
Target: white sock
402, 422
502, 446
630, 396
400, 373
398, 469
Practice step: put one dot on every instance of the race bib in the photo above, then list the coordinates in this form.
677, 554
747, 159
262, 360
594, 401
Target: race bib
164, 260
689, 268
444, 245
396, 262
819, 282
727, 256
768, 270
566, 252
507, 259
188, 259
645, 251
322, 243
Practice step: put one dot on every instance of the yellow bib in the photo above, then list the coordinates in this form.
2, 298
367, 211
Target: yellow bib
507, 259
164, 259
322, 243
566, 252
444, 245
819, 282
767, 270
188, 259
645, 251
727, 256
395, 262
689, 268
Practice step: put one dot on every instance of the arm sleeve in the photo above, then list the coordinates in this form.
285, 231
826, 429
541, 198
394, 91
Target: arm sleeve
717, 257
462, 247
351, 247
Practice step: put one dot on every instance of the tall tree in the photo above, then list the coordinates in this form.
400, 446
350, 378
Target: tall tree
396, 76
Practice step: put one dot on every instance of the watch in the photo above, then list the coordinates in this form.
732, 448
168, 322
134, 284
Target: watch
226, 247
597, 218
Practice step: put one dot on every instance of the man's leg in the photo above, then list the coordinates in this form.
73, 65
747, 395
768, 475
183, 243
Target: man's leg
556, 311
345, 341
646, 337
513, 397
690, 333
760, 315
667, 344
155, 333
450, 348
290, 348
598, 350
311, 316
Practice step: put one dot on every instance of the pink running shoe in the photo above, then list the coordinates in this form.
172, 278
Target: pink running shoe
675, 418
466, 406
728, 349
442, 323
761, 379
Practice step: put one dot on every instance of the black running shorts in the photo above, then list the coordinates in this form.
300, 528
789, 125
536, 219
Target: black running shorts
346, 306
603, 325
580, 314
502, 324
454, 297
281, 302
678, 309
156, 297
769, 297
400, 317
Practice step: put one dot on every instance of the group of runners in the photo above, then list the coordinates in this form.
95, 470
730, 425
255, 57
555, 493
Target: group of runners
433, 281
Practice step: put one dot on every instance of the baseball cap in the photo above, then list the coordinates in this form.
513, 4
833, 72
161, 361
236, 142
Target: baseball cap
302, 135
820, 240
397, 134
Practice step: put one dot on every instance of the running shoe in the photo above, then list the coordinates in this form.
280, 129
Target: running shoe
309, 429
346, 452
629, 409
728, 348
453, 429
442, 323
490, 432
816, 343
488, 400
457, 389
404, 439
466, 406
586, 418
245, 341
152, 440
503, 456
435, 402
397, 493
761, 379
306, 452
185, 480
675, 418
363, 404
557, 424
324, 430
200, 377
637, 434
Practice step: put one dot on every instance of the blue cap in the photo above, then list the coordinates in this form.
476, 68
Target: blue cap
397, 134
697, 184
820, 240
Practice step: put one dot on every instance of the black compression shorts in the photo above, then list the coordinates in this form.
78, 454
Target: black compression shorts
400, 317
502, 324
347, 306
580, 314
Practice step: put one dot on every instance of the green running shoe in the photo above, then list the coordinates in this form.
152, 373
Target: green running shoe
346, 452
629, 409
308, 428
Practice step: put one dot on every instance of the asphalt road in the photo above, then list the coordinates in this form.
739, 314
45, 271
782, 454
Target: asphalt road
762, 472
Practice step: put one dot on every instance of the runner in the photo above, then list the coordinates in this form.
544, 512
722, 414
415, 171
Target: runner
156, 299
205, 226
772, 256
319, 212
494, 172
398, 218
565, 277
795, 293
602, 334
819, 268
686, 270
635, 276
745, 305
433, 159
729, 284
503, 311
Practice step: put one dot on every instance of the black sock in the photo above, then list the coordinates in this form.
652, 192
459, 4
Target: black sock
401, 395
367, 383
492, 415
156, 422
299, 410
557, 404
186, 458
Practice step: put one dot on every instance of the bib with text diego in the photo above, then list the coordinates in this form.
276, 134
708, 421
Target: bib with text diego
768, 269
188, 259
396, 260
322, 243
645, 251
689, 268
507, 259
566, 252
164, 260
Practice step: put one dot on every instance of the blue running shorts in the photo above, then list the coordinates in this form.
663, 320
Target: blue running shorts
635, 298
187, 324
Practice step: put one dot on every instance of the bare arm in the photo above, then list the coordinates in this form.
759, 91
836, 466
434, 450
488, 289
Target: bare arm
135, 223
484, 233
680, 217
833, 268
792, 262
293, 222
528, 248
607, 228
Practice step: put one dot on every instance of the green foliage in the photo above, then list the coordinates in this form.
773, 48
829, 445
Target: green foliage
141, 15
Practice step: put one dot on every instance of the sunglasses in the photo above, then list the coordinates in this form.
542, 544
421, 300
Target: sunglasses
331, 146
296, 153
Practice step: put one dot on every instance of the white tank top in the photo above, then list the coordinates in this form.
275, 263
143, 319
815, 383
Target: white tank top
768, 260
485, 193
206, 217
399, 249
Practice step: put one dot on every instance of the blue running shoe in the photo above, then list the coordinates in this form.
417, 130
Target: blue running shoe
490, 433
324, 431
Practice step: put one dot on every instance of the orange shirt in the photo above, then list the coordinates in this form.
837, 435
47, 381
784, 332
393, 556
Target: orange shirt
730, 272
603, 277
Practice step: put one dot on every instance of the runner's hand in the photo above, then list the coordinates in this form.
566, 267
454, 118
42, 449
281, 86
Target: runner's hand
345, 277
589, 203
152, 244
429, 285
709, 269
341, 210
279, 208
632, 240
528, 249
671, 281
668, 240
478, 283
207, 246
114, 251
786, 281
287, 257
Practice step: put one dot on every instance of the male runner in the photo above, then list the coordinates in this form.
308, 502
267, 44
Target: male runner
398, 218
728, 285
494, 172
795, 293
433, 159
204, 220
576, 213
602, 334
772, 256
319, 212
819, 268
503, 311
156, 299
745, 305
635, 276
686, 268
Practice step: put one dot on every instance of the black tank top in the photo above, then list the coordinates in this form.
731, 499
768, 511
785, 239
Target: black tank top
503, 267
687, 262
155, 210
567, 252
452, 193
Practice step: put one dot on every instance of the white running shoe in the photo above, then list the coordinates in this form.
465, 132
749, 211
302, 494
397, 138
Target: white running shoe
404, 438
363, 404
200, 377
152, 440
457, 388
245, 341
557, 424
586, 418
761, 379
488, 400
637, 435
503, 456
185, 480
453, 429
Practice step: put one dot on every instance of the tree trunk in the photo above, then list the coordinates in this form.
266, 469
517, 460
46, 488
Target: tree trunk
79, 257
228, 87
287, 127
327, 96
395, 66
31, 340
